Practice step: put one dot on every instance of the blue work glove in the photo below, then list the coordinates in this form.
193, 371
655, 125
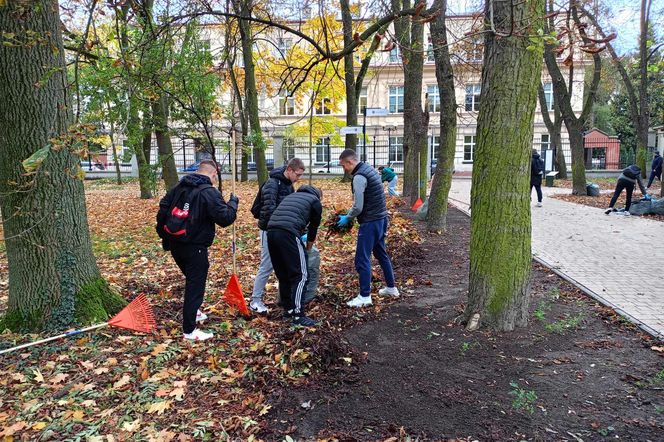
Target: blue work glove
343, 221
647, 197
304, 238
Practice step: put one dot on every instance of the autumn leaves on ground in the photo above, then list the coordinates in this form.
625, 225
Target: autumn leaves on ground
114, 385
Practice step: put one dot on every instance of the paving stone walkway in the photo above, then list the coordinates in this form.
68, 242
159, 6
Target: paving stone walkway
616, 259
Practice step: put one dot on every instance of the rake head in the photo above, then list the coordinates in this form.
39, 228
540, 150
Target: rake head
234, 297
136, 316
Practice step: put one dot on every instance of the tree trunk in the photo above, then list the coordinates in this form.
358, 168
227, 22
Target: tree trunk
410, 37
440, 188
116, 161
136, 140
250, 91
578, 158
500, 252
349, 75
54, 281
644, 112
164, 146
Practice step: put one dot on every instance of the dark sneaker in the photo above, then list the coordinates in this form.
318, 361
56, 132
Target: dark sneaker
609, 210
287, 315
304, 321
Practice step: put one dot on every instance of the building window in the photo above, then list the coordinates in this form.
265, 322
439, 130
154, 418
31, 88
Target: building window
473, 97
286, 106
396, 99
475, 50
395, 55
544, 142
288, 149
396, 149
434, 143
434, 98
283, 46
322, 150
324, 107
469, 148
548, 95
430, 58
362, 102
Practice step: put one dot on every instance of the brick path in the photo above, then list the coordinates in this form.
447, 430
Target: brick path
615, 259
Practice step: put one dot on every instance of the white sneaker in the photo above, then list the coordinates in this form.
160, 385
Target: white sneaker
198, 335
626, 213
360, 301
539, 204
258, 307
389, 291
200, 316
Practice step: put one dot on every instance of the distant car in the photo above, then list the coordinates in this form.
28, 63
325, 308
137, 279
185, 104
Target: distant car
334, 166
92, 167
190, 168
251, 167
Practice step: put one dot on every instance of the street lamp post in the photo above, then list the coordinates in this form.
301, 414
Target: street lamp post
389, 130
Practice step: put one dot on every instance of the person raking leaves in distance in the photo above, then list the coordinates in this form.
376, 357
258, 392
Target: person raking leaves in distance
371, 212
389, 175
270, 195
294, 222
186, 223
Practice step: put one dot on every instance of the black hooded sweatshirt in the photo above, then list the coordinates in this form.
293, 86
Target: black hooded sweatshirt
275, 189
207, 209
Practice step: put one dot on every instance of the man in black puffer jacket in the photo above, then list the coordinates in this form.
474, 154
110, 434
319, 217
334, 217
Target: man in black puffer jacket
629, 177
275, 189
197, 206
298, 213
656, 169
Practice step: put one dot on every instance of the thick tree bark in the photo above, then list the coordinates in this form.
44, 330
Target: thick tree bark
500, 252
410, 37
164, 145
54, 281
349, 75
555, 133
440, 188
244, 7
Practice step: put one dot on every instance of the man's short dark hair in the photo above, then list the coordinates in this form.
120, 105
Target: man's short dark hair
208, 164
381, 167
295, 164
348, 154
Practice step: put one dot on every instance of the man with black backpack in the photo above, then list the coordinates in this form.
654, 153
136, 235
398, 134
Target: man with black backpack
630, 176
186, 223
270, 195
536, 173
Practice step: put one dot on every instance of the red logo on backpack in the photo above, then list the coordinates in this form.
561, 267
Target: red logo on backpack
179, 224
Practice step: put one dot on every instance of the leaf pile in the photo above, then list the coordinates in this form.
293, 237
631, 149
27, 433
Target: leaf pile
112, 385
333, 228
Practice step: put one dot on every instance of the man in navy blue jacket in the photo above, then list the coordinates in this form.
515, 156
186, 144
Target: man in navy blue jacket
656, 169
371, 212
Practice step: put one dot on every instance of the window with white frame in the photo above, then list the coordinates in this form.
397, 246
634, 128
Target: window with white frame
544, 142
396, 149
548, 95
475, 50
473, 97
362, 102
324, 107
283, 46
429, 57
434, 98
396, 99
469, 148
395, 55
288, 148
434, 143
286, 106
322, 150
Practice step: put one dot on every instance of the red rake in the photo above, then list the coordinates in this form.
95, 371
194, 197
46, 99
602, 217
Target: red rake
136, 316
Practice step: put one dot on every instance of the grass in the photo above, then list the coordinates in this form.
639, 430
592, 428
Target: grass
523, 399
562, 325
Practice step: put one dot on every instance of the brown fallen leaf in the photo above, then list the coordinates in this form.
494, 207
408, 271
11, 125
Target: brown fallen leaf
159, 407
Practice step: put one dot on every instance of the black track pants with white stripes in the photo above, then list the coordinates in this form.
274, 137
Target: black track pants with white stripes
289, 259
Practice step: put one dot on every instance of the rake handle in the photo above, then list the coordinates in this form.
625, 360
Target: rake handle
53, 338
233, 170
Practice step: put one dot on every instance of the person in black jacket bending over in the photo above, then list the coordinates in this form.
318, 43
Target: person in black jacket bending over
656, 169
298, 213
198, 206
630, 176
371, 212
275, 189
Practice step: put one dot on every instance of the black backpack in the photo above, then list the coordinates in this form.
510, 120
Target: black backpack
177, 219
258, 203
